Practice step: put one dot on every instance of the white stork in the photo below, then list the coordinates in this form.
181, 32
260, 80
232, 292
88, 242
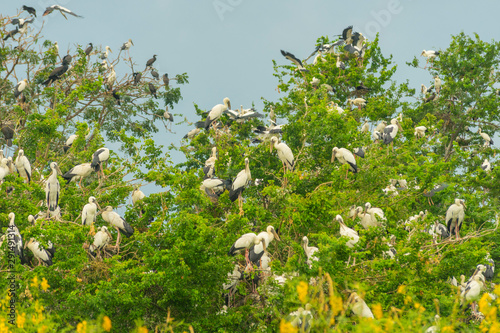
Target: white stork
127, 45
437, 84
486, 166
391, 131
13, 235
23, 166
20, 86
420, 131
61, 9
214, 187
89, 212
359, 102
239, 183
455, 216
137, 195
245, 242
4, 168
209, 169
101, 239
358, 306
429, 54
295, 60
309, 251
345, 156
44, 255
285, 154
257, 251
370, 216
111, 78
118, 222
216, 112
487, 140
347, 232
365, 127
78, 172
471, 292
52, 188
101, 155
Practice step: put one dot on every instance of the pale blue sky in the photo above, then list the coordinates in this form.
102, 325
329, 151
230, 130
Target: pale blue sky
227, 46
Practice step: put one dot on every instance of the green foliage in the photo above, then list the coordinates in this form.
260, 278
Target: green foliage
176, 262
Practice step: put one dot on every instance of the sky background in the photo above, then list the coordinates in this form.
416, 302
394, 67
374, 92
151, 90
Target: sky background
227, 46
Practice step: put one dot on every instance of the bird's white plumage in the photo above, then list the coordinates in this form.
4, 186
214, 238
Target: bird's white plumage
344, 156
487, 140
359, 306
420, 131
52, 188
137, 195
455, 216
78, 172
217, 111
347, 232
285, 154
101, 239
23, 166
89, 212
309, 251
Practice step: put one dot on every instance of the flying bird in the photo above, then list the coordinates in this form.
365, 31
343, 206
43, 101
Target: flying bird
61, 9
295, 60
30, 10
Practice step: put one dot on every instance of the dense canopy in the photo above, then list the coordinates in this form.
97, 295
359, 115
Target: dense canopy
359, 199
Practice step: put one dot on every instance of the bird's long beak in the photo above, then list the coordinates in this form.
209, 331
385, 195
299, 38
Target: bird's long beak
229, 105
276, 236
64, 15
333, 158
400, 128
264, 245
271, 147
59, 170
132, 43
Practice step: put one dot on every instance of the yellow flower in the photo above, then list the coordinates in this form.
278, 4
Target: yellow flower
286, 327
419, 307
377, 311
35, 282
337, 304
44, 284
484, 303
106, 323
82, 327
497, 290
302, 291
142, 330
21, 319
447, 329
42, 329
402, 289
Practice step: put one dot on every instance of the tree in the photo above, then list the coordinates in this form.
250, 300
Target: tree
176, 263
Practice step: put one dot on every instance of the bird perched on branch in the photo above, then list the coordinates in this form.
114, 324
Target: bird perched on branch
20, 86
150, 61
30, 10
56, 74
455, 217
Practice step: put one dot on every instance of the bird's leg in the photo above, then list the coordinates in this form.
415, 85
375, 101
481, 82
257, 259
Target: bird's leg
348, 261
246, 257
346, 173
117, 239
